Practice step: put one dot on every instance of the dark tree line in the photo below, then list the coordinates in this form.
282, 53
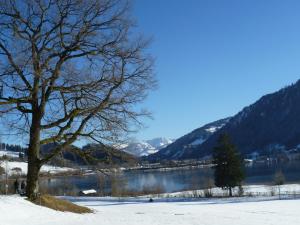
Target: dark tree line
12, 147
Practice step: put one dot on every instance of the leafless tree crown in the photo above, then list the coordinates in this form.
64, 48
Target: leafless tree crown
72, 66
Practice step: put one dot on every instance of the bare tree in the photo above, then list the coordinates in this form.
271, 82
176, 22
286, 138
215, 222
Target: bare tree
279, 180
70, 69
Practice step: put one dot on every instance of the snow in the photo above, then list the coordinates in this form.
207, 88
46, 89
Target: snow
145, 148
201, 140
23, 167
15, 210
9, 154
140, 149
160, 143
213, 129
198, 141
91, 191
120, 146
249, 190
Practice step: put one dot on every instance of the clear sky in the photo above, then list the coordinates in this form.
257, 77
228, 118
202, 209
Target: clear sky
214, 57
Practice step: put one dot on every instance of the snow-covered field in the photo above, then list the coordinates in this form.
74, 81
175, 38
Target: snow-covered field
108, 211
249, 190
9, 154
23, 166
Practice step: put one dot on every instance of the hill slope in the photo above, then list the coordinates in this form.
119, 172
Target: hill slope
188, 142
270, 123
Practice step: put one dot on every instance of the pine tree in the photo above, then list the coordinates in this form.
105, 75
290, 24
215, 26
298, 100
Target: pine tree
228, 167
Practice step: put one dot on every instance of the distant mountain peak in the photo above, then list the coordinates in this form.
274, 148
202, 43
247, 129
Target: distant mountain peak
188, 142
147, 147
270, 122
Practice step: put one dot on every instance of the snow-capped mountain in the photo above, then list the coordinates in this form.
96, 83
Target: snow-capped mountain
144, 148
160, 143
188, 142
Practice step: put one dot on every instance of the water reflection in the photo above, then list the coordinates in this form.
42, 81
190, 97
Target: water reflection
170, 181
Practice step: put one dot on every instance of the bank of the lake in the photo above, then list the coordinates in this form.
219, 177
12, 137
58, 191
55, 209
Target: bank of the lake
164, 180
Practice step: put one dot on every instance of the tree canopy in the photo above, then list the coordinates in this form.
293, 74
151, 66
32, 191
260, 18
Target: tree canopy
70, 69
228, 164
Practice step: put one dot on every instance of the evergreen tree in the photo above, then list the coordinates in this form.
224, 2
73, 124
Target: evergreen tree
228, 172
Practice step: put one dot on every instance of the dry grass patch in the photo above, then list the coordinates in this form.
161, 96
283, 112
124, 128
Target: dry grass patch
61, 205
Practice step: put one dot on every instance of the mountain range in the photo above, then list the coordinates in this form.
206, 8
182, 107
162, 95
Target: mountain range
188, 142
145, 148
272, 122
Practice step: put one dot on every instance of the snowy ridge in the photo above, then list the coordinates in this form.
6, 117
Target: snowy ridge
189, 142
159, 143
145, 148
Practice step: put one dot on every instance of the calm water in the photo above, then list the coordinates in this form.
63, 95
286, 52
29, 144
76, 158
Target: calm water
168, 181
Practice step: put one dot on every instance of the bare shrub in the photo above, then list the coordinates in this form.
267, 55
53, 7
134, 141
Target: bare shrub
209, 184
279, 180
272, 191
240, 191
61, 189
118, 185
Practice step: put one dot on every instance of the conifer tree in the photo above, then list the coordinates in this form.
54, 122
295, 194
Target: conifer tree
228, 164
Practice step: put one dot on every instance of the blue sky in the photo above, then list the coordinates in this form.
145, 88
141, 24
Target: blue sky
214, 57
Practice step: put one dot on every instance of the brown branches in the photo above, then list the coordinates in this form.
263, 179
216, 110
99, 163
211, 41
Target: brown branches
72, 69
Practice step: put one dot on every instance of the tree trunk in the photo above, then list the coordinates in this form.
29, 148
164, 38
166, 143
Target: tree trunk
34, 165
32, 188
230, 191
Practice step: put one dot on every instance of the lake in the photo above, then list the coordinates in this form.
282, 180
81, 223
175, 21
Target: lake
156, 181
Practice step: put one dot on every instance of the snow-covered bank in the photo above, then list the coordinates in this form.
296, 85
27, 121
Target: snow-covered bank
10, 154
248, 190
15, 210
12, 167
